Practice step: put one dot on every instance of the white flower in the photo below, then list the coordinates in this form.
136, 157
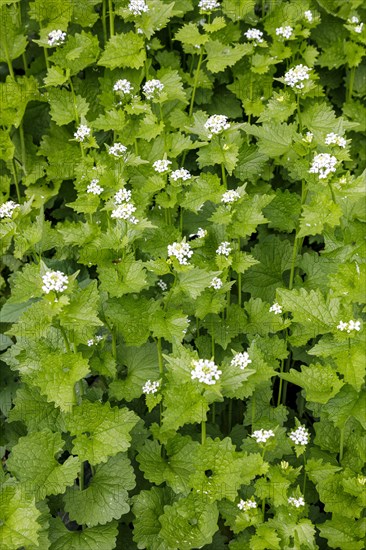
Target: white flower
152, 88
150, 387
180, 174
254, 34
323, 164
295, 76
354, 19
124, 212
216, 283
224, 249
162, 284
230, 196
208, 5
205, 371
7, 209
335, 139
358, 28
122, 195
297, 502
54, 280
56, 38
82, 132
94, 188
351, 325
117, 150
241, 360
247, 504
276, 308
300, 436
90, 342
123, 86
308, 14
201, 233
98, 338
161, 166
138, 7
216, 124
261, 436
182, 251
308, 137
286, 32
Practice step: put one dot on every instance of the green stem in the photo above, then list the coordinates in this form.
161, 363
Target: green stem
195, 82
281, 382
22, 145
181, 219
104, 21
8, 60
239, 288
230, 415
341, 444
213, 346
213, 412
66, 340
111, 18
253, 410
304, 485
223, 174
203, 432
76, 114
299, 112
293, 262
351, 82
15, 176
46, 58
81, 477
160, 357
114, 344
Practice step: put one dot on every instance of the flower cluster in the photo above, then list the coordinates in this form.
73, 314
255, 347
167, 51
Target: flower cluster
56, 38
357, 25
276, 308
54, 280
295, 77
95, 340
138, 7
261, 436
224, 249
241, 360
125, 209
216, 124
161, 166
82, 132
152, 88
7, 209
285, 32
216, 283
230, 196
150, 387
205, 371
180, 174
162, 284
300, 436
117, 150
247, 505
254, 34
182, 251
323, 164
308, 14
208, 5
335, 139
296, 502
123, 86
94, 188
348, 327
309, 136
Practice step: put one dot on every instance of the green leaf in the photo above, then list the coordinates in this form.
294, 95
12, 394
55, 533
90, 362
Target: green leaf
283, 211
131, 316
81, 312
79, 51
142, 365
101, 536
106, 497
251, 162
170, 325
63, 111
319, 213
220, 56
12, 42
100, 431
225, 330
206, 188
55, 15
148, 507
123, 278
238, 9
194, 281
248, 215
349, 282
18, 512
320, 382
221, 152
265, 538
34, 410
189, 522
274, 139
15, 96
345, 404
175, 469
190, 35
341, 533
33, 461
124, 50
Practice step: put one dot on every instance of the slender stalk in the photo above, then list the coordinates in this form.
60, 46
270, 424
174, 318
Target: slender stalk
341, 444
239, 288
15, 176
281, 382
299, 112
8, 60
111, 18
203, 432
22, 145
293, 261
351, 82
213, 346
304, 485
223, 174
195, 82
104, 21
213, 412
81, 477
114, 344
76, 114
160, 357
66, 340
253, 411
230, 415
181, 219
46, 58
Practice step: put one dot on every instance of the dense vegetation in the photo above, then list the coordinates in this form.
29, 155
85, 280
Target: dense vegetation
183, 274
